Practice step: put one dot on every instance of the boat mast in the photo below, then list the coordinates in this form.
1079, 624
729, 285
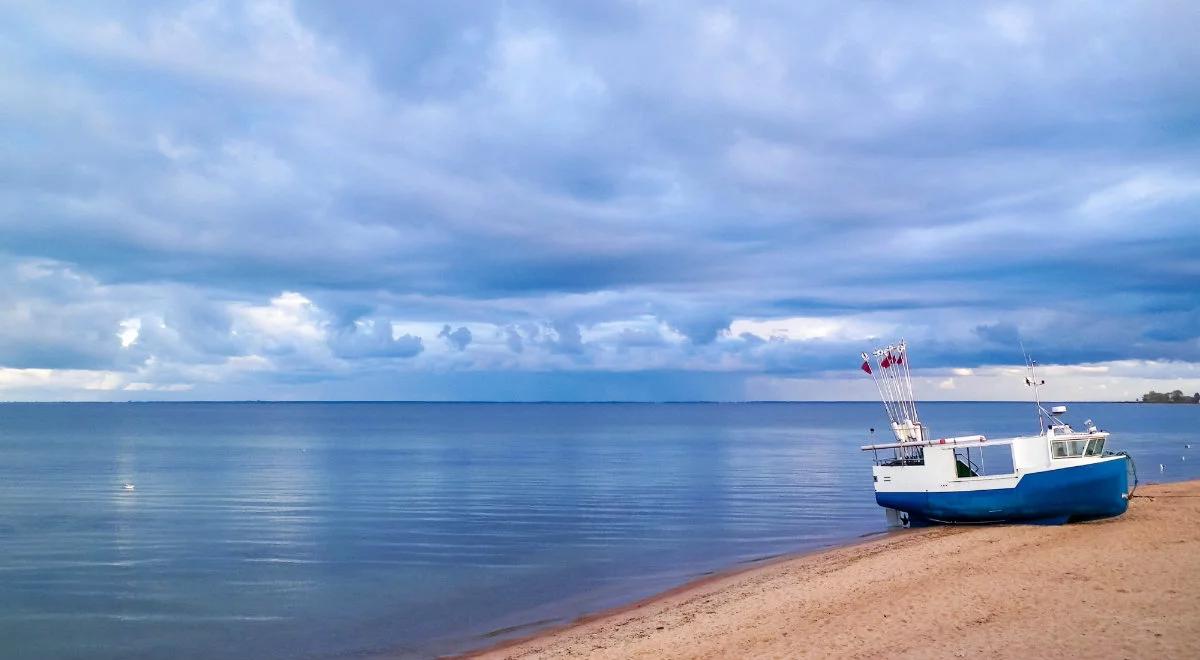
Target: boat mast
866, 366
894, 383
1032, 380
912, 398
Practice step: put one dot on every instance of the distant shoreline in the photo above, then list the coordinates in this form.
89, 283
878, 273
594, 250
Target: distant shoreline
1131, 582
532, 403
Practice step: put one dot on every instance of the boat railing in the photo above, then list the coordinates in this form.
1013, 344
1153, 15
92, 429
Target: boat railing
959, 440
967, 468
910, 456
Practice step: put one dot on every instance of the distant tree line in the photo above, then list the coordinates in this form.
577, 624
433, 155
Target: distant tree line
1169, 397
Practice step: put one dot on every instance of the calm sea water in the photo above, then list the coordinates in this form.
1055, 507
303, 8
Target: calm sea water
335, 530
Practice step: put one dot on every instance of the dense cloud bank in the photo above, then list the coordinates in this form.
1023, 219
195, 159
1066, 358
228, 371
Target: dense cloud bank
591, 200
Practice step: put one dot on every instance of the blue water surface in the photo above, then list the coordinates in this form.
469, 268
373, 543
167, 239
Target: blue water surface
276, 530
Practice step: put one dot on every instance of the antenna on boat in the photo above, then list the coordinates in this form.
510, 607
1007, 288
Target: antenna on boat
1032, 381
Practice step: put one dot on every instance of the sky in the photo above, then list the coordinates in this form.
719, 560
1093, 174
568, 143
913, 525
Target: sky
596, 201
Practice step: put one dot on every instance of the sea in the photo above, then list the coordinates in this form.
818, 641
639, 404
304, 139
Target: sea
360, 530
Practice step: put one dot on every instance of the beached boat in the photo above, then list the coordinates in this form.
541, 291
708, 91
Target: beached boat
1057, 476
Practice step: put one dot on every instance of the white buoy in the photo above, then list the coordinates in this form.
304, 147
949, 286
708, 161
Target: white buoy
128, 486
1161, 467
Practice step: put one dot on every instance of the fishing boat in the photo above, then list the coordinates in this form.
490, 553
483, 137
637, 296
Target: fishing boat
1059, 475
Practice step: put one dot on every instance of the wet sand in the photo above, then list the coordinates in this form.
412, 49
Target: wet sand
1127, 587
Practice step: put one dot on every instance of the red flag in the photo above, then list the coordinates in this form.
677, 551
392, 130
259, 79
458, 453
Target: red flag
886, 362
866, 366
900, 359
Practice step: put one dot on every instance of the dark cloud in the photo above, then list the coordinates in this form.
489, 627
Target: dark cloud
459, 338
567, 338
999, 333
512, 338
701, 326
642, 337
752, 339
373, 338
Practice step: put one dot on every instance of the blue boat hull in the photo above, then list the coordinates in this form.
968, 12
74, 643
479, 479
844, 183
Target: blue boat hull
1083, 492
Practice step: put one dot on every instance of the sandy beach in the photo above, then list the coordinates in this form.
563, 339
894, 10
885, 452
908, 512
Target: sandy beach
1127, 587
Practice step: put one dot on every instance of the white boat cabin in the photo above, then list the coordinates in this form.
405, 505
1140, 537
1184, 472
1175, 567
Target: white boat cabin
968, 462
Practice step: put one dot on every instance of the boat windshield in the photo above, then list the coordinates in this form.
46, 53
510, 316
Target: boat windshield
1074, 448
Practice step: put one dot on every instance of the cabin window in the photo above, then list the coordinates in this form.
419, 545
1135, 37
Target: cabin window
1070, 448
983, 461
1095, 447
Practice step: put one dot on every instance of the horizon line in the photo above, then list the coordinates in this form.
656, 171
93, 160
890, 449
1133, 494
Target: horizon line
544, 401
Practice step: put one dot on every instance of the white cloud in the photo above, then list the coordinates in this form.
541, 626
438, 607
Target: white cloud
171, 149
58, 380
151, 387
531, 71
258, 46
1012, 22
289, 318
130, 329
1140, 192
807, 328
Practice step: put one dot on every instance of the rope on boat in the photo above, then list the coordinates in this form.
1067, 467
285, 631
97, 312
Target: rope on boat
1133, 468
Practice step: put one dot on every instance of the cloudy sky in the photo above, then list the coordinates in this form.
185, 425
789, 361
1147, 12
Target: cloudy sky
584, 200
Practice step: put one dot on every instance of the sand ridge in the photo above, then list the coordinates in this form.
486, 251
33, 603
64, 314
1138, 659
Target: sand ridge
1126, 587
